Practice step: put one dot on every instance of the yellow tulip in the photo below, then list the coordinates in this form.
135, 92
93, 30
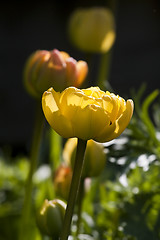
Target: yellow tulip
94, 160
87, 113
92, 29
44, 69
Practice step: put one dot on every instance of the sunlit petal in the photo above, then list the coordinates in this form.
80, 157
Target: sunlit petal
115, 129
53, 114
94, 92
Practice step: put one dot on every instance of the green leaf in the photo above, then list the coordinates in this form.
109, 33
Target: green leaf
145, 115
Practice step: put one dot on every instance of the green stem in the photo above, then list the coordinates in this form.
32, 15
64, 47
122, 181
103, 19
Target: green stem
76, 179
80, 201
36, 141
89, 58
104, 67
55, 148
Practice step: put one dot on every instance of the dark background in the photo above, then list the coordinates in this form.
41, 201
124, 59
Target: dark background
26, 27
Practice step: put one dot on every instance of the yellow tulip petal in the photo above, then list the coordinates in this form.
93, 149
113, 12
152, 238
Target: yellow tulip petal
125, 117
68, 149
99, 119
115, 129
67, 92
119, 106
106, 134
81, 122
66, 100
74, 97
83, 100
61, 125
58, 122
51, 98
110, 106
89, 121
94, 92
122, 106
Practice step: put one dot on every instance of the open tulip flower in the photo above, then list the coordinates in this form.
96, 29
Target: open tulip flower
87, 113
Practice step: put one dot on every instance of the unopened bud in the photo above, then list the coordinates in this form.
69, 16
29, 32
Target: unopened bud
50, 217
45, 69
92, 29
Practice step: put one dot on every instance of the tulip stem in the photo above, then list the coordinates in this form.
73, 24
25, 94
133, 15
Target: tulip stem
36, 141
74, 189
55, 148
104, 67
80, 201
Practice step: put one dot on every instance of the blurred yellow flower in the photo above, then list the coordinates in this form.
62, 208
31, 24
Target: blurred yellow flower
92, 29
94, 160
87, 113
44, 69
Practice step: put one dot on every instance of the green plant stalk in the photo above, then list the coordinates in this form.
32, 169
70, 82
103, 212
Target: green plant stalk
80, 202
74, 189
36, 141
89, 58
104, 67
55, 148
145, 115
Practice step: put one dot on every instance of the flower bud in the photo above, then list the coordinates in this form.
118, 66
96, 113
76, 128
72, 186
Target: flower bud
95, 158
92, 29
45, 69
62, 181
50, 217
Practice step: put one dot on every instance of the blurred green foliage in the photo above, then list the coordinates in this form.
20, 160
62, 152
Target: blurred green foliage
123, 203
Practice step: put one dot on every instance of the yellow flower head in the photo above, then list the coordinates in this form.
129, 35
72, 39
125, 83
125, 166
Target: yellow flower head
92, 29
44, 69
87, 113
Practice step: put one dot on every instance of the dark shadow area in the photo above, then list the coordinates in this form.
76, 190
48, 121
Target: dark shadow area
26, 27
